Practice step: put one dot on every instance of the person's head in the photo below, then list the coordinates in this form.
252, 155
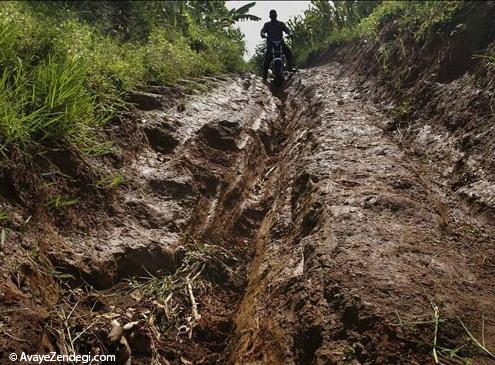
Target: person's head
273, 15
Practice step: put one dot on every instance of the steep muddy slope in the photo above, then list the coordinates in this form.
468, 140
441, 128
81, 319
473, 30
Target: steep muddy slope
252, 230
358, 252
439, 88
202, 159
178, 231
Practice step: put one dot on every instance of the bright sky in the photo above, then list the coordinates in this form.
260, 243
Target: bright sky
285, 10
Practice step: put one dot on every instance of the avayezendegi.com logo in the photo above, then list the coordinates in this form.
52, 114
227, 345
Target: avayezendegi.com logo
59, 358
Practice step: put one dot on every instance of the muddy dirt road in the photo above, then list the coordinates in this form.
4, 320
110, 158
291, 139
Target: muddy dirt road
357, 241
256, 229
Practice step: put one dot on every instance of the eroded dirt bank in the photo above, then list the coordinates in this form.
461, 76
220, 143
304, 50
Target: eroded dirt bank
252, 230
359, 249
167, 253
439, 90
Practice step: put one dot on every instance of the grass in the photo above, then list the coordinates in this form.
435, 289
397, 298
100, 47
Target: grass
421, 18
402, 111
482, 344
111, 182
62, 76
197, 260
153, 287
489, 58
461, 354
59, 202
48, 101
173, 294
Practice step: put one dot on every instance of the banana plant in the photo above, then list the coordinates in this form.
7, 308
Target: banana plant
241, 13
216, 14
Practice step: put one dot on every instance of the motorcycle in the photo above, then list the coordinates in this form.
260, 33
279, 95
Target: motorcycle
278, 64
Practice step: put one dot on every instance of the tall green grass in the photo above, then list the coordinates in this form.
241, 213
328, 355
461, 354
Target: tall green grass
62, 76
421, 18
49, 100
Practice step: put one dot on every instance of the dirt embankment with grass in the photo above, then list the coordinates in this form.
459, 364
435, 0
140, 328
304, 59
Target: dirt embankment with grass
437, 84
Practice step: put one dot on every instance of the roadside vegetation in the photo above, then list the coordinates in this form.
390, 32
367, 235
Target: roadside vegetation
64, 66
332, 23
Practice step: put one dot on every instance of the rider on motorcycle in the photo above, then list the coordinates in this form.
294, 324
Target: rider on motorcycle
274, 30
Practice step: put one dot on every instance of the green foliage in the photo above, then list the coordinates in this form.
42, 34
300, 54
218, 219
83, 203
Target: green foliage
489, 58
215, 14
418, 17
111, 182
402, 111
65, 65
327, 22
332, 23
256, 61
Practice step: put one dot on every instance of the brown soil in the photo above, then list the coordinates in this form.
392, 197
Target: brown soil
438, 92
359, 240
300, 230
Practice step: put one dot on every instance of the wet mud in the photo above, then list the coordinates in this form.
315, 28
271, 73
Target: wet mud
359, 246
263, 229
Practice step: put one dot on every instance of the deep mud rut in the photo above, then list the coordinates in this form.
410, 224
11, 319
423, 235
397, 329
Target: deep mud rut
298, 227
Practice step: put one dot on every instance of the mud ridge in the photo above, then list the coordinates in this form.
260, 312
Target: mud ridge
190, 205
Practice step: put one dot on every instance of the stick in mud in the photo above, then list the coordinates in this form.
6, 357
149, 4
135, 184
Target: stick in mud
194, 306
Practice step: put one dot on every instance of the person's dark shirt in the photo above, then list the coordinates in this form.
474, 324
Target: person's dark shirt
274, 29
